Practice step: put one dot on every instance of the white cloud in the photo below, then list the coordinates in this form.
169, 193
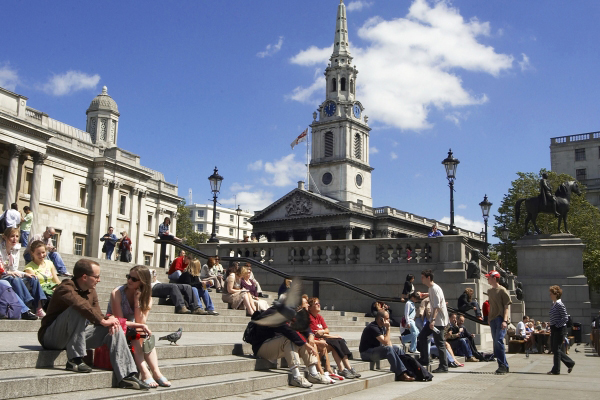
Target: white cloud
462, 206
69, 82
256, 165
358, 5
411, 64
306, 95
524, 64
284, 171
9, 78
252, 201
236, 187
393, 155
373, 150
464, 223
271, 49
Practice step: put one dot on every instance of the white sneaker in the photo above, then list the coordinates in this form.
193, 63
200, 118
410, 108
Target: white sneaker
300, 381
318, 378
328, 377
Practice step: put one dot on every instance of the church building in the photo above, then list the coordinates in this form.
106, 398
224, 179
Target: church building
80, 182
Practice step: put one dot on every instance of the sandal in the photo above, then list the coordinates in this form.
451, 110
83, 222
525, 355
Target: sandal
151, 382
164, 382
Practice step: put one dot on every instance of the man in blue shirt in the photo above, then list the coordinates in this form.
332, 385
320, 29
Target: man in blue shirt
434, 232
110, 240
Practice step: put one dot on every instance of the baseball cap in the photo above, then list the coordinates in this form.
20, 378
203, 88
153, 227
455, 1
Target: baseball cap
495, 274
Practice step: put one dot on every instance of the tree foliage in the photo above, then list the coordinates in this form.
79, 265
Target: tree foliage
185, 227
583, 220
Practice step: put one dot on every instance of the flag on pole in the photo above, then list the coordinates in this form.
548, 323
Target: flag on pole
302, 138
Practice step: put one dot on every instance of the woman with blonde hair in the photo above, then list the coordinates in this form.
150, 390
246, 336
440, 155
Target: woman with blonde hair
43, 269
133, 302
233, 292
247, 283
191, 276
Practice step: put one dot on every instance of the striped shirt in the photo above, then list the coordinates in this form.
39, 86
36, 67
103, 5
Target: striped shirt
558, 314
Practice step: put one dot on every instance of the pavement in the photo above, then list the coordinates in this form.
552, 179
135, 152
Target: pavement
527, 379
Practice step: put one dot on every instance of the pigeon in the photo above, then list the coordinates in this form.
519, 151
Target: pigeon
285, 307
173, 337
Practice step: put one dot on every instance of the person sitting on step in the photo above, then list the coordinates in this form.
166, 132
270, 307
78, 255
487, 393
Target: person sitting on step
454, 336
51, 250
43, 269
181, 295
179, 265
467, 303
191, 276
133, 302
250, 285
25, 284
164, 230
470, 337
233, 294
210, 274
335, 344
75, 323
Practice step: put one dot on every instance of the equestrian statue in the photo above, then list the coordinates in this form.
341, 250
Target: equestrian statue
548, 203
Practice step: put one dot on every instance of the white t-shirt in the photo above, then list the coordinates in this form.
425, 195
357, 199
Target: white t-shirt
437, 300
13, 218
521, 329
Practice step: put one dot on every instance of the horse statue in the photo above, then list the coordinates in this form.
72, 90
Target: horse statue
534, 206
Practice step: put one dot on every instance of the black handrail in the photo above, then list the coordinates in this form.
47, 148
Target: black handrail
315, 279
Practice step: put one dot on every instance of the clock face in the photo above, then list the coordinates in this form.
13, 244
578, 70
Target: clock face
359, 180
327, 178
330, 108
356, 110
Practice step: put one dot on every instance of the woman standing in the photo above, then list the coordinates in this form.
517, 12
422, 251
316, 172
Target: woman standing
124, 248
233, 292
409, 288
410, 312
133, 302
9, 272
43, 269
558, 331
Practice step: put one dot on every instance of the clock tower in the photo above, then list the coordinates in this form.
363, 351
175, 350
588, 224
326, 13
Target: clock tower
340, 149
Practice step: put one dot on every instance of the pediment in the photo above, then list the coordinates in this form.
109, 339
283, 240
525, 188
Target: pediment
299, 204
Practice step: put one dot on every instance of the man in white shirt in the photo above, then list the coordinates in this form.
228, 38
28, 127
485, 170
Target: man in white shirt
521, 331
12, 216
435, 327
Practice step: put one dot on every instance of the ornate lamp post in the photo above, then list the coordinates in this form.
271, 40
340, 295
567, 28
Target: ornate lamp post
238, 211
485, 210
505, 233
215, 186
450, 163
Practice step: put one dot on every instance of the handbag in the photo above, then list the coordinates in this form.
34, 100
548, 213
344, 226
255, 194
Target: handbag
148, 345
104, 247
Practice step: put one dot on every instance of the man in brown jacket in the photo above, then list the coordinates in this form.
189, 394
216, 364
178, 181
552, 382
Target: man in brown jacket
65, 326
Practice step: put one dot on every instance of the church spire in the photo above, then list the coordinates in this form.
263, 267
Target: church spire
340, 43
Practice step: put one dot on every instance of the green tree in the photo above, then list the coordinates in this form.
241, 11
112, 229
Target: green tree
583, 220
185, 227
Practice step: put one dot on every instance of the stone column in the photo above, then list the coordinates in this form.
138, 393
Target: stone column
309, 235
134, 221
13, 172
142, 227
328, 234
100, 211
290, 235
363, 233
114, 208
158, 217
272, 236
34, 200
349, 232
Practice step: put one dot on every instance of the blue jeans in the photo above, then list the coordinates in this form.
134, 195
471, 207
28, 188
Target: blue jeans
174, 276
32, 297
24, 307
58, 262
498, 336
24, 238
433, 350
109, 252
461, 347
392, 353
412, 336
200, 293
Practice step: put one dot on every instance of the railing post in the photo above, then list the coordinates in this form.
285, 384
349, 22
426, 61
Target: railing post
163, 255
315, 289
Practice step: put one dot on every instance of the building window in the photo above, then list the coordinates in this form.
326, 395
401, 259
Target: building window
333, 85
357, 146
57, 189
78, 245
218, 215
200, 228
217, 229
56, 238
82, 196
200, 213
28, 181
148, 259
231, 218
149, 226
122, 204
343, 84
245, 233
580, 174
245, 221
230, 231
328, 144
579, 154
352, 86
191, 214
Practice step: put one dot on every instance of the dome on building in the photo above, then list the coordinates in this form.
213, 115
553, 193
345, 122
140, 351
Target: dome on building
103, 102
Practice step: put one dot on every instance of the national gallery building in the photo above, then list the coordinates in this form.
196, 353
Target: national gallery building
80, 182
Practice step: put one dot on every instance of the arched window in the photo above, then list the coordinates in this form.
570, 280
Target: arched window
333, 85
343, 84
352, 86
357, 146
328, 144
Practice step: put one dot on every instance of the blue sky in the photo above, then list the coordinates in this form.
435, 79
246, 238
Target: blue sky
232, 83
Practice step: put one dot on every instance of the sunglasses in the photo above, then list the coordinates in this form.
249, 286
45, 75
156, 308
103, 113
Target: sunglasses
133, 279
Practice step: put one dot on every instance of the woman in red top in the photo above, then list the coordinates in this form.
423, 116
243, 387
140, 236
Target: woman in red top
336, 344
125, 248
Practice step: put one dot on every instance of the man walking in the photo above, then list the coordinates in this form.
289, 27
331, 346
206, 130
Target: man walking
498, 318
27, 220
75, 322
110, 240
439, 320
53, 254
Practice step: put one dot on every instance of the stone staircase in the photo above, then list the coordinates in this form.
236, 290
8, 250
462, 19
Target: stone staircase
210, 362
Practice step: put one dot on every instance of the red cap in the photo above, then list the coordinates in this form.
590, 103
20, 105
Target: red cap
495, 274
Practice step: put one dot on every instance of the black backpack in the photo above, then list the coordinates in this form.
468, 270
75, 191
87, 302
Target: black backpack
3, 222
415, 369
9, 303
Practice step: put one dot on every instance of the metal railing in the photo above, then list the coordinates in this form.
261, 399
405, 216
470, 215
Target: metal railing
314, 279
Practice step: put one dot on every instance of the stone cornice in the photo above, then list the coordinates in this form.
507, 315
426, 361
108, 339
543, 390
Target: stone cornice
350, 161
69, 155
24, 127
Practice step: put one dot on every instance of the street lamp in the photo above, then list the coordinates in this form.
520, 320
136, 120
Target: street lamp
215, 186
485, 210
504, 232
238, 211
450, 163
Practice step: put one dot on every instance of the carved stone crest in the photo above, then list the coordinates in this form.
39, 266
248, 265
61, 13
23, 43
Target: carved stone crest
298, 205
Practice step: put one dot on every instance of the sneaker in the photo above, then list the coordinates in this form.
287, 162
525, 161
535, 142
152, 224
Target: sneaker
300, 381
472, 359
76, 365
199, 311
501, 370
318, 378
131, 382
28, 315
183, 310
212, 312
329, 377
356, 374
347, 374
67, 274
335, 376
440, 370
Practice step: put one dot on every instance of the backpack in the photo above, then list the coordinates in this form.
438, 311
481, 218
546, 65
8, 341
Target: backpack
250, 333
415, 369
3, 222
10, 307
